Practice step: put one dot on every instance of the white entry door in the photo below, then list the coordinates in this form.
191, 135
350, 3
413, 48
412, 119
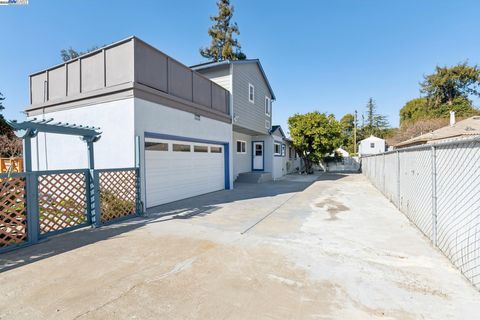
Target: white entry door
258, 156
178, 169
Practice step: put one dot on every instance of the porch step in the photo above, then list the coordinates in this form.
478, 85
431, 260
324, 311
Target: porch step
254, 177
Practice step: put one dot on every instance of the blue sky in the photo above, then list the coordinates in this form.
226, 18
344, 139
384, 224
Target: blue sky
329, 56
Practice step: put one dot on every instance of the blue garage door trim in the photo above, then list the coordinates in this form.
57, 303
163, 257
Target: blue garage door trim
226, 149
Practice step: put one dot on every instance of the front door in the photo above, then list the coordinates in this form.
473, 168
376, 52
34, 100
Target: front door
258, 156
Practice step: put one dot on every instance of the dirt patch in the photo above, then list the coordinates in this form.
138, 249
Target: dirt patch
333, 207
422, 289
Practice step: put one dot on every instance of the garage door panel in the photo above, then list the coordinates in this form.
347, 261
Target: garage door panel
174, 175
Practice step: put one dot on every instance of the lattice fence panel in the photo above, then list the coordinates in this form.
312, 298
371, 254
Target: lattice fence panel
118, 194
61, 201
13, 212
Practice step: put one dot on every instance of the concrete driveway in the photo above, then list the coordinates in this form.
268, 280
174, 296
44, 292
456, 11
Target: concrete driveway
334, 248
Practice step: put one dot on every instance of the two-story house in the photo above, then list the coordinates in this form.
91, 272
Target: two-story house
153, 111
190, 130
256, 147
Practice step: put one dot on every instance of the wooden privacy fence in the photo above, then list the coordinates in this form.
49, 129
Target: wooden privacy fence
38, 204
15, 163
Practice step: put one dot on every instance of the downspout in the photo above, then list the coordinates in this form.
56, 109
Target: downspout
45, 98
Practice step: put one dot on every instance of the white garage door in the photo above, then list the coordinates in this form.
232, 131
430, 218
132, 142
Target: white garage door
177, 170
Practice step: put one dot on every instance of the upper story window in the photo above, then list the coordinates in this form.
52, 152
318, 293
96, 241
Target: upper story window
241, 146
372, 145
251, 93
268, 106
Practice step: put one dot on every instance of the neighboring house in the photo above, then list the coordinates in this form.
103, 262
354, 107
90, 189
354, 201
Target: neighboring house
251, 107
464, 129
134, 92
371, 145
294, 162
340, 151
279, 167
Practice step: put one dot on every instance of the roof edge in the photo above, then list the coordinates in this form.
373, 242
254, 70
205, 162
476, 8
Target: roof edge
214, 64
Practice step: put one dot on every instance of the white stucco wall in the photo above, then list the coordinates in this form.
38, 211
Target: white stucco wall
156, 118
115, 149
242, 162
365, 146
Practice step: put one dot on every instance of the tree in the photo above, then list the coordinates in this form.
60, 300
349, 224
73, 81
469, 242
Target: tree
2, 98
414, 110
347, 123
5, 129
423, 109
413, 129
223, 45
376, 123
450, 83
10, 147
70, 53
314, 135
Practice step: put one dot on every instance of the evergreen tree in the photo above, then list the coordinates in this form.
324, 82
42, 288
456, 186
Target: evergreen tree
450, 83
70, 53
1, 102
5, 129
223, 46
376, 124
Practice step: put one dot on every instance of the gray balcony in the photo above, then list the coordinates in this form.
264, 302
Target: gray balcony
133, 67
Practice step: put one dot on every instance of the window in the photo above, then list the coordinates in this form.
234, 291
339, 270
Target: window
200, 149
290, 153
277, 149
258, 150
251, 93
267, 124
372, 145
181, 147
216, 149
241, 146
268, 106
156, 146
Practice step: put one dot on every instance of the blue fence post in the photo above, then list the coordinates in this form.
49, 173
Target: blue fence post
89, 196
138, 202
33, 216
96, 198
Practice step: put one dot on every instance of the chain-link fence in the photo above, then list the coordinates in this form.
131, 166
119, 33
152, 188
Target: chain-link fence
438, 188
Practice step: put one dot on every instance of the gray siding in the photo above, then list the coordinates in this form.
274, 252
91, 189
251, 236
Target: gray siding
101, 69
123, 66
242, 162
220, 76
249, 115
151, 68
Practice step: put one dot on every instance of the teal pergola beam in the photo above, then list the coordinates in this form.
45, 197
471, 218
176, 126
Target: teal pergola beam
30, 128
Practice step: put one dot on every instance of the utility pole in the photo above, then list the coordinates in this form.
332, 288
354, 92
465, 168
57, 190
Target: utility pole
355, 133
